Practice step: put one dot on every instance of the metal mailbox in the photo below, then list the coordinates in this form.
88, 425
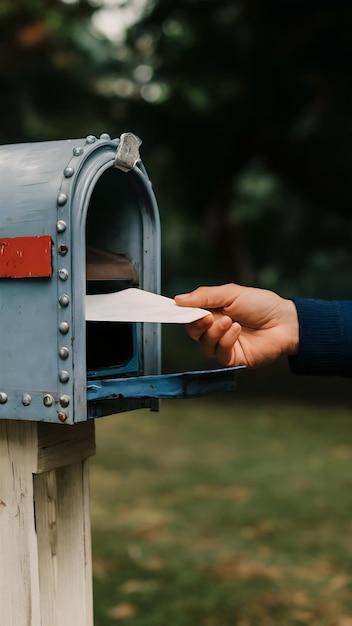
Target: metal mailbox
77, 217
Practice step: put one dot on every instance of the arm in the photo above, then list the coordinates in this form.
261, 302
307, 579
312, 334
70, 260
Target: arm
325, 338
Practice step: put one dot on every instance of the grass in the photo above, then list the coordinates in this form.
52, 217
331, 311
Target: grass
223, 513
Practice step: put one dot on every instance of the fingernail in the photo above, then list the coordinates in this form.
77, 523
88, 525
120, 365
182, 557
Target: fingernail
225, 322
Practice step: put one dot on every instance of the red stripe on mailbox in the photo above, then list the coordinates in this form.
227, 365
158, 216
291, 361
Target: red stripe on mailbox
26, 257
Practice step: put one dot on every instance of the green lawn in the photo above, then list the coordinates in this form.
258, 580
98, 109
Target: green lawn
223, 513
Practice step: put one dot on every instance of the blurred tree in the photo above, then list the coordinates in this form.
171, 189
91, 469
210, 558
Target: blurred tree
43, 86
258, 115
244, 108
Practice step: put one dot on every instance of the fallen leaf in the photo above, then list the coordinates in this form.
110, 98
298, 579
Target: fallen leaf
122, 611
154, 564
345, 620
303, 617
342, 452
103, 567
238, 493
237, 567
138, 586
339, 582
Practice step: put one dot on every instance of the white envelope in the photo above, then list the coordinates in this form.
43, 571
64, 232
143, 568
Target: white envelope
137, 305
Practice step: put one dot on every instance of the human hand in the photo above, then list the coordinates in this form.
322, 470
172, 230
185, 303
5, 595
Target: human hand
247, 326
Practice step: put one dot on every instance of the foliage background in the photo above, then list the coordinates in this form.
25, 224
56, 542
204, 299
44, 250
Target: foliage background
245, 113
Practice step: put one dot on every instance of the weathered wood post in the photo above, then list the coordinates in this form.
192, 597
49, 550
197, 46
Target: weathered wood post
45, 543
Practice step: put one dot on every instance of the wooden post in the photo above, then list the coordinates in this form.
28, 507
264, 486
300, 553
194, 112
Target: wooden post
45, 542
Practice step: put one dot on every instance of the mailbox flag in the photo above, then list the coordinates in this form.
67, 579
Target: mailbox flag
26, 257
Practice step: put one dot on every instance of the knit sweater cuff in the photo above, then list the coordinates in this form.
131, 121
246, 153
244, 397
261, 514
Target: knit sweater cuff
325, 338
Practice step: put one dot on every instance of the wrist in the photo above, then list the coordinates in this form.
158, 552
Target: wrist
291, 323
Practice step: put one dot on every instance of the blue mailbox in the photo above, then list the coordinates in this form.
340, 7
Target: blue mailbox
77, 217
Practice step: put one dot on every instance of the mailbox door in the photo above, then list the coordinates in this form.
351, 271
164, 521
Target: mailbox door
108, 396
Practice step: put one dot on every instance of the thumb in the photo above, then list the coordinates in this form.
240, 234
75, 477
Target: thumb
208, 297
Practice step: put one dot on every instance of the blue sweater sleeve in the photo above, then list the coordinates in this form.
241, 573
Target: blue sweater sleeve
325, 338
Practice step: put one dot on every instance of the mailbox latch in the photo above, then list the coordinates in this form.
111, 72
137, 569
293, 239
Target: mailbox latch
127, 153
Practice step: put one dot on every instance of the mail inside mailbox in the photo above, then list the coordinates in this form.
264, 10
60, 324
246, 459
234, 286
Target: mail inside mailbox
109, 345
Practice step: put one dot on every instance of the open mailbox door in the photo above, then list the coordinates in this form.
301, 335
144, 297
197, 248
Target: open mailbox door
79, 217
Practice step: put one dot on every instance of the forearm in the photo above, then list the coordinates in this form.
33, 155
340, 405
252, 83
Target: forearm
325, 338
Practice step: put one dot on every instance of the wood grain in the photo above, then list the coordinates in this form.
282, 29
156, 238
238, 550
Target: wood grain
45, 544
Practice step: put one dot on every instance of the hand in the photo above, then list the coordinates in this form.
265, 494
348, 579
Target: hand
247, 326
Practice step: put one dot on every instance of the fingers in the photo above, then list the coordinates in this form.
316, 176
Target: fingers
209, 297
216, 333
216, 339
224, 350
219, 339
198, 328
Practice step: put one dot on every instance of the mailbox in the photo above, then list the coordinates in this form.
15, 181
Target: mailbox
79, 217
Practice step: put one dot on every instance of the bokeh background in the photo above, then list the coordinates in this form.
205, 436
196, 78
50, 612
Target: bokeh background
245, 112
244, 109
